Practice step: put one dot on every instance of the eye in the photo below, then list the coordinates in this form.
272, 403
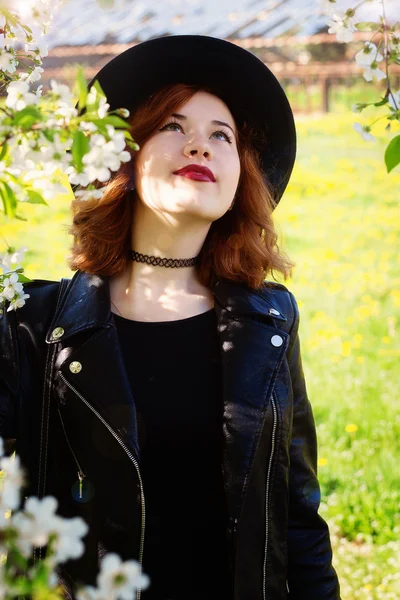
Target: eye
221, 131
169, 125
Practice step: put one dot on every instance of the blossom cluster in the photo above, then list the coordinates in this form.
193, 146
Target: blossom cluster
344, 23
11, 288
46, 135
38, 525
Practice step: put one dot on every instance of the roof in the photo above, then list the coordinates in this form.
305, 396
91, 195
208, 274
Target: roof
86, 22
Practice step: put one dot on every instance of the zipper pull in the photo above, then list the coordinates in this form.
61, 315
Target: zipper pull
81, 477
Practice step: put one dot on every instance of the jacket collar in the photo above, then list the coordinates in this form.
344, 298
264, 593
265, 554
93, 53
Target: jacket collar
86, 303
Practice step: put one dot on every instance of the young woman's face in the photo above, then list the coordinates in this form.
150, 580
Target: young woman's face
190, 138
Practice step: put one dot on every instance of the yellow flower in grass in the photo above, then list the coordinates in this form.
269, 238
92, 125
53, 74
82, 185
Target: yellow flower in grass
322, 462
351, 427
360, 359
346, 348
357, 339
386, 339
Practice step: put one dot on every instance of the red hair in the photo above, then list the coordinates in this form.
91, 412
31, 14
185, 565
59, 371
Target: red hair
241, 245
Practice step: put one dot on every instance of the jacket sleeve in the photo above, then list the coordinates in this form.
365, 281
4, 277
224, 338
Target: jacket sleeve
311, 575
9, 379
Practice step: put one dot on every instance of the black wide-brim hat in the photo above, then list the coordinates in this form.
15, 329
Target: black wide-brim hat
247, 86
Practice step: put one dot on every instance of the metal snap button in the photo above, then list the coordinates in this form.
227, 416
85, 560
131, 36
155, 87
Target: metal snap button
75, 367
273, 311
57, 333
276, 340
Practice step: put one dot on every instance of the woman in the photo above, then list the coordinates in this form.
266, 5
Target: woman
162, 398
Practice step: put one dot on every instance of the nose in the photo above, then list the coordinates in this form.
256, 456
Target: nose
199, 147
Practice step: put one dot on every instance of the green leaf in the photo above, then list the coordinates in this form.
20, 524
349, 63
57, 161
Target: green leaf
9, 199
35, 198
100, 126
48, 134
132, 145
381, 102
99, 89
26, 28
23, 279
366, 26
115, 121
80, 146
9, 16
27, 117
3, 151
392, 154
20, 217
80, 88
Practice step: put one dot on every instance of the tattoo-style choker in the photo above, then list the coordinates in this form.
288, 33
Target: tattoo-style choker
163, 262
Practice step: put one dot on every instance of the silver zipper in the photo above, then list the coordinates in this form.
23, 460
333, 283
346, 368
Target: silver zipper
132, 458
267, 493
81, 474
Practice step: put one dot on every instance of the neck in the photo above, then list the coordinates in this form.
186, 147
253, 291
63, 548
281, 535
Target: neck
167, 236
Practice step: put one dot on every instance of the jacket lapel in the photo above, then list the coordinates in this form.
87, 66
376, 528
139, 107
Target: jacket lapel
250, 363
246, 324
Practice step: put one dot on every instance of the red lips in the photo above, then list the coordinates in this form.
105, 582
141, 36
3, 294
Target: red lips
196, 172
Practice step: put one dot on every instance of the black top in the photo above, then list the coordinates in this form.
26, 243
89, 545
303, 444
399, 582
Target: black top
175, 374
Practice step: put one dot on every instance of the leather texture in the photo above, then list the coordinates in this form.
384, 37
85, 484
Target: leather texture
66, 404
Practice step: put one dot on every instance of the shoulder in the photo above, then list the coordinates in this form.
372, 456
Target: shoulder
41, 292
42, 297
38, 307
281, 298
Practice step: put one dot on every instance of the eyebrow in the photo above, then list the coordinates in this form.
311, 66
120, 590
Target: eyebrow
215, 122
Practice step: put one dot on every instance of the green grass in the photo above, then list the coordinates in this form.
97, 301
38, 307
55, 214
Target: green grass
339, 220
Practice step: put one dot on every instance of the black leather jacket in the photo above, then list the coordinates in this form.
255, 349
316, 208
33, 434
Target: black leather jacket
66, 400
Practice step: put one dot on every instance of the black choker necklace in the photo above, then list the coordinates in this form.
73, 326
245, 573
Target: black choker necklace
163, 262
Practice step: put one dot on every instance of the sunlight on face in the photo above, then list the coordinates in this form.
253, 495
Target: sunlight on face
191, 138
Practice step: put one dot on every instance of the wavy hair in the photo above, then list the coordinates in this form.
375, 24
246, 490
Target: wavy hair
240, 246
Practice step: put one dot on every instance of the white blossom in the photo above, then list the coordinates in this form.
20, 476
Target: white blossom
69, 543
393, 45
90, 194
66, 112
76, 178
364, 131
118, 580
47, 188
35, 75
87, 126
368, 55
93, 96
8, 62
9, 259
35, 523
61, 91
13, 478
39, 520
374, 73
12, 286
19, 96
39, 47
17, 302
342, 26
12, 291
103, 157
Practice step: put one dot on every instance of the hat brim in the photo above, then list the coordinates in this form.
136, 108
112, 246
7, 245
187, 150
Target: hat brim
243, 81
